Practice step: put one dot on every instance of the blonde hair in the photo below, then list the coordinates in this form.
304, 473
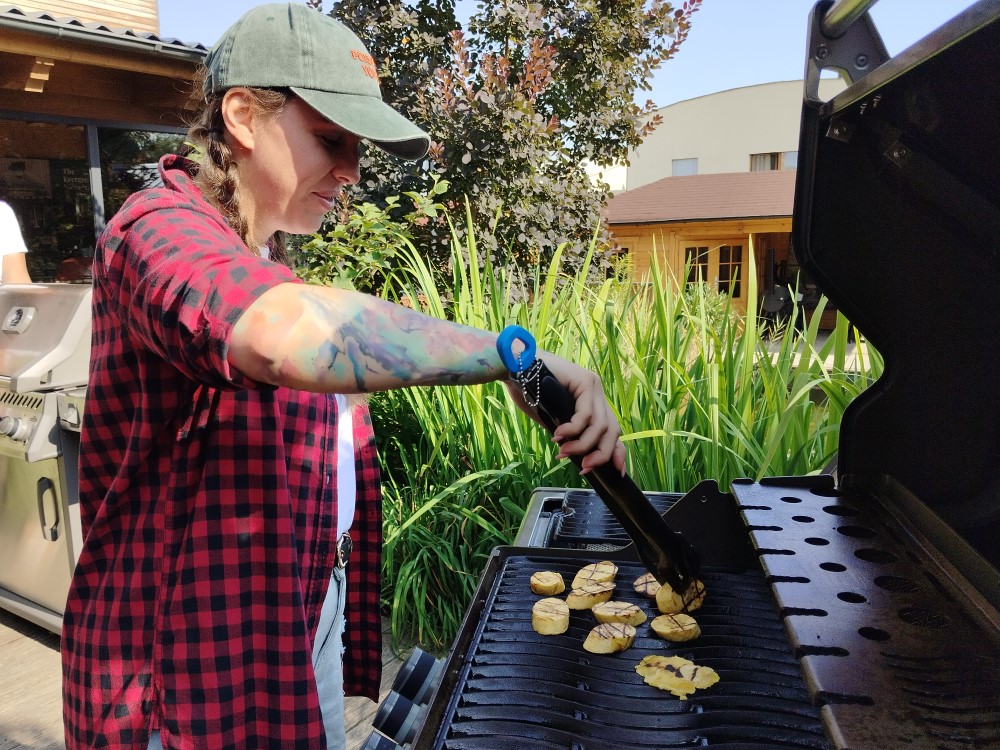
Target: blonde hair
219, 174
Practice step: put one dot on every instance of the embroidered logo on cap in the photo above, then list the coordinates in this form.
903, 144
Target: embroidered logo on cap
367, 63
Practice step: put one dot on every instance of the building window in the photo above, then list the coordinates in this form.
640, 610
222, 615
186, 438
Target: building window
619, 263
64, 179
129, 161
683, 167
773, 161
44, 177
730, 263
696, 261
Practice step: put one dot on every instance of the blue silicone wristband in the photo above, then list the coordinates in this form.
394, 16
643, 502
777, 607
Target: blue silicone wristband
516, 363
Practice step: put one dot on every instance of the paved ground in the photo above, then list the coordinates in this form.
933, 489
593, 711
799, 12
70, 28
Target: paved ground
30, 702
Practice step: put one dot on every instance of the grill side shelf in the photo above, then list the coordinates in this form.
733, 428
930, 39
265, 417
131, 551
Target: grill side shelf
885, 640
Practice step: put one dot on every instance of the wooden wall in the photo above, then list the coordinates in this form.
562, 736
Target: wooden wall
138, 15
667, 241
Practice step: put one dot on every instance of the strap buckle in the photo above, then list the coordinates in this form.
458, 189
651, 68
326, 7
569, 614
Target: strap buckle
344, 547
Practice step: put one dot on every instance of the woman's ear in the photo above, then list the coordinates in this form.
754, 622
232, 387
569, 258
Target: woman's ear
238, 116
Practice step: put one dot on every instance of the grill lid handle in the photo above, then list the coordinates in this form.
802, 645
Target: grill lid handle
664, 552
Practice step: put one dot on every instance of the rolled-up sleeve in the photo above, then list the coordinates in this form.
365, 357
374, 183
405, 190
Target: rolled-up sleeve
185, 279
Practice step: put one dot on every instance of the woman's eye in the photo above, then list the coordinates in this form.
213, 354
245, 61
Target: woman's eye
331, 141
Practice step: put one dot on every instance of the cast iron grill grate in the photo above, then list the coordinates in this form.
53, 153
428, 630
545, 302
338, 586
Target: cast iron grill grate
507, 686
584, 521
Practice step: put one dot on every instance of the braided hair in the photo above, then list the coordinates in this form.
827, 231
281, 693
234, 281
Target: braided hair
219, 175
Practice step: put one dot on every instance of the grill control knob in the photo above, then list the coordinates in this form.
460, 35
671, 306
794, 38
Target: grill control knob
14, 428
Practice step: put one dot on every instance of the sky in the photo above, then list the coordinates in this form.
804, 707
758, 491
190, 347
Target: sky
732, 43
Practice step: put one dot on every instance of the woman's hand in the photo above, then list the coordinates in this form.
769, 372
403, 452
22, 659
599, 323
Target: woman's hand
593, 432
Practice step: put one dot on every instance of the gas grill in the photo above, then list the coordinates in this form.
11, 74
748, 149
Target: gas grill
853, 611
44, 356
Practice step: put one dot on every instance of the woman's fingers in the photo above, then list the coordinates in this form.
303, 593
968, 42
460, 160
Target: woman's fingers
593, 431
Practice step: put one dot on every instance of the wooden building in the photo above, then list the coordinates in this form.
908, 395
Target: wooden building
90, 97
707, 224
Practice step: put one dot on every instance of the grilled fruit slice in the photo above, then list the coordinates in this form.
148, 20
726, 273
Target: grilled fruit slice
646, 585
550, 616
590, 594
625, 612
676, 674
669, 602
609, 638
694, 597
599, 572
547, 583
676, 628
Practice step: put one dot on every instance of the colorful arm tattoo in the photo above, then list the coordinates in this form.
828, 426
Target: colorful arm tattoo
348, 339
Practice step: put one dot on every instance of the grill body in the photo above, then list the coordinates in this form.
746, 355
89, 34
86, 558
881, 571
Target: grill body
505, 686
44, 357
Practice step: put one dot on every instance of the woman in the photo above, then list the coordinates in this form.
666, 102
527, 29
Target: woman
13, 269
221, 484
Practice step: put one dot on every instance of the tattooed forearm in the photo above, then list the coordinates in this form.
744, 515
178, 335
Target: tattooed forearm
383, 343
333, 340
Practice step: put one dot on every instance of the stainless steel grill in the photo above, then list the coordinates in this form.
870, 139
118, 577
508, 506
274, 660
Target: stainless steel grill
44, 357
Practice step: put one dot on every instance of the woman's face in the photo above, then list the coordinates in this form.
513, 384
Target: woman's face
293, 168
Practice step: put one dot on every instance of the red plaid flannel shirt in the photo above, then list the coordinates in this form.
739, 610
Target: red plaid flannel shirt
208, 503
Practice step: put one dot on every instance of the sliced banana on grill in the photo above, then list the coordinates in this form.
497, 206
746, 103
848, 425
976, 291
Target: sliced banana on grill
599, 572
669, 602
625, 612
694, 597
609, 638
677, 628
646, 585
586, 596
550, 616
676, 674
547, 583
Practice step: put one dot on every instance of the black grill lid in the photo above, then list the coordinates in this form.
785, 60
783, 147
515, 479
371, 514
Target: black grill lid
897, 219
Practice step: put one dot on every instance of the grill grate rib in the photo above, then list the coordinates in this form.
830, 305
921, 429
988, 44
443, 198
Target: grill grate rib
584, 521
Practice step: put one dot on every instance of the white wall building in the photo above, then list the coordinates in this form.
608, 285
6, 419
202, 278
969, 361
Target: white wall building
739, 130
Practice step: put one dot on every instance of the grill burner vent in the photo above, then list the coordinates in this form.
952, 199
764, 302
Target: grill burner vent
30, 401
578, 519
505, 686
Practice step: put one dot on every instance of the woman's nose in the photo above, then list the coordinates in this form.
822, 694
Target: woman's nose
347, 168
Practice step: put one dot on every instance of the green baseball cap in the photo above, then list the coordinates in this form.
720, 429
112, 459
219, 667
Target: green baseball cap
289, 45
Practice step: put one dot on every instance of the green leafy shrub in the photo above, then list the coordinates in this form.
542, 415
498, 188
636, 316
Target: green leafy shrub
362, 248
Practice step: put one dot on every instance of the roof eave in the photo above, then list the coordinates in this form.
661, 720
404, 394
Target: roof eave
102, 36
647, 222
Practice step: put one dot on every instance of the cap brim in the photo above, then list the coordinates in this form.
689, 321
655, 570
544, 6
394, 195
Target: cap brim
370, 118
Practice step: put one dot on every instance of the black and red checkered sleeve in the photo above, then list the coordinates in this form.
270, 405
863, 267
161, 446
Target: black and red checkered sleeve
186, 278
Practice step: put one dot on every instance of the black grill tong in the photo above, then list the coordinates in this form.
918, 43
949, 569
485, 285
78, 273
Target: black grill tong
664, 552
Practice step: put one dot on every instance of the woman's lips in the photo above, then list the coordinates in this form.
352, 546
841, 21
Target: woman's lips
327, 199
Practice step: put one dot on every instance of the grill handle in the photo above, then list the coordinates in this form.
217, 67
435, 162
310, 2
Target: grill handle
47, 488
839, 16
664, 552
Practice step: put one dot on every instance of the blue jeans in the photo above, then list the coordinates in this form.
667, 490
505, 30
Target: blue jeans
328, 664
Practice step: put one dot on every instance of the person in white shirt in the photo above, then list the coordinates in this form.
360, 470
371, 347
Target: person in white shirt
13, 269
